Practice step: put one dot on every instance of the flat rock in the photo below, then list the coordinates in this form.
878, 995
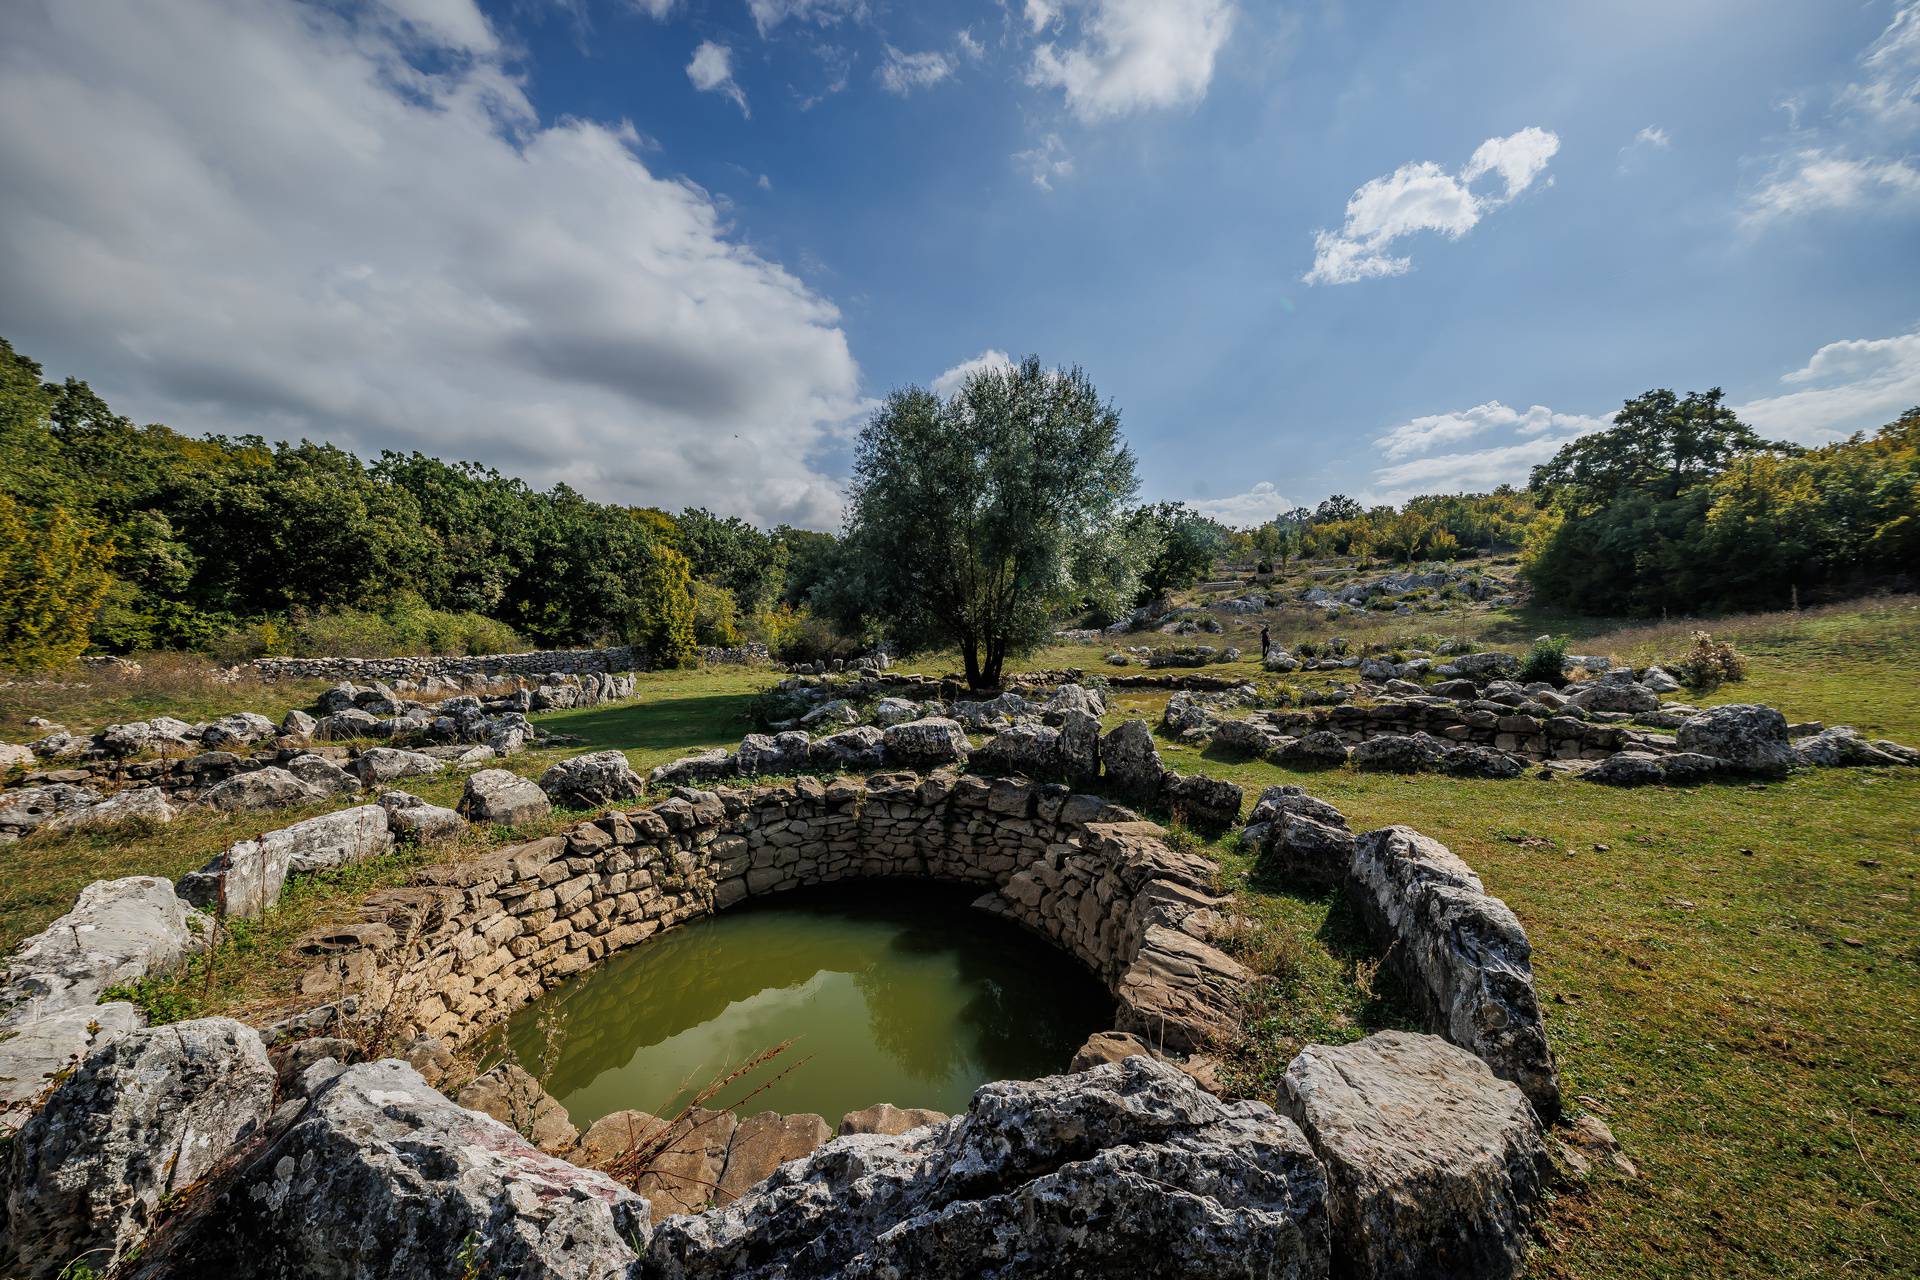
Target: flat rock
762, 1143
1751, 738
926, 743
1432, 1163
117, 931
886, 1119
504, 797
383, 764
135, 807
268, 788
591, 781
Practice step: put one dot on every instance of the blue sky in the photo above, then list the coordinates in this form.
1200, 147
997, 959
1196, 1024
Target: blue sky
670, 251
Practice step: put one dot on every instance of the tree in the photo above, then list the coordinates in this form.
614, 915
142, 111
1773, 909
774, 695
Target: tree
978, 520
1336, 508
53, 576
1659, 443
1181, 546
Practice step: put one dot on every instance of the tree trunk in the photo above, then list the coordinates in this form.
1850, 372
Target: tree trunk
970, 657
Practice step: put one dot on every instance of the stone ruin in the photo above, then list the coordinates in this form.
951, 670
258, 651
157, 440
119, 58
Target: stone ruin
1400, 1154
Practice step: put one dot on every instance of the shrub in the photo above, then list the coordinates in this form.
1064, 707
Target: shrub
53, 577
716, 616
1710, 663
1547, 660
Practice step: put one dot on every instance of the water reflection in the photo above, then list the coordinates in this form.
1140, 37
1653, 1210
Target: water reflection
892, 991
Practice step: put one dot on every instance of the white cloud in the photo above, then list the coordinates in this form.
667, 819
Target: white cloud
1473, 472
238, 217
1858, 159
1422, 196
1418, 435
1042, 14
765, 183
970, 46
1855, 385
712, 72
659, 10
902, 73
1244, 510
1045, 162
447, 24
1814, 180
950, 381
1890, 90
768, 14
1648, 140
1131, 55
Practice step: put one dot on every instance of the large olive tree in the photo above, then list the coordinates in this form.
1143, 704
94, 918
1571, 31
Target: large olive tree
980, 520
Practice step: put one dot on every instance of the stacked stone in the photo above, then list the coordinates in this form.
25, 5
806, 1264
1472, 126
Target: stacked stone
476, 940
491, 665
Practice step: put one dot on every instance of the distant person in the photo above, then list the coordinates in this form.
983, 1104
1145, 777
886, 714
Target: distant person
1266, 643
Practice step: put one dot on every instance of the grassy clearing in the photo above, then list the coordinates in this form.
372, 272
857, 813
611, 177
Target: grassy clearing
183, 685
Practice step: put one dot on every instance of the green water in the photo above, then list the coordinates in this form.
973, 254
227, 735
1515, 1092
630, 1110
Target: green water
891, 992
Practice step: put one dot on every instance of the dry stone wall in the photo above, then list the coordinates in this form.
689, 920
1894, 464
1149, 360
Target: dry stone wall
476, 940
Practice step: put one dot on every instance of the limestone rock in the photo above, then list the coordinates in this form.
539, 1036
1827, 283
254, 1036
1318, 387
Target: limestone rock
1073, 697
504, 797
383, 764
1087, 1174
118, 930
1485, 666
513, 1097
1031, 750
298, 725
851, 749
1470, 760
147, 1115
702, 766
892, 711
323, 774
1432, 1164
926, 743
1614, 695
1321, 749
1133, 766
1628, 769
238, 730
268, 788
1079, 746
762, 1143
135, 807
1750, 738
1302, 850
591, 781
1400, 753
15, 756
1208, 804
1180, 994
247, 879
383, 1177
783, 753
1107, 1046
1462, 954
1838, 746
888, 1120
411, 818
37, 1046
1658, 680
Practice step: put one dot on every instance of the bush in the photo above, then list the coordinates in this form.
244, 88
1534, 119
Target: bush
1710, 663
53, 577
1547, 660
716, 616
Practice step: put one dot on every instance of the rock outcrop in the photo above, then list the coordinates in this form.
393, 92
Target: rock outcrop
503, 797
1124, 1169
149, 1114
1752, 739
1432, 1163
591, 781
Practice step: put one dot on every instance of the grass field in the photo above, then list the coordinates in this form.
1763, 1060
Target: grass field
1731, 973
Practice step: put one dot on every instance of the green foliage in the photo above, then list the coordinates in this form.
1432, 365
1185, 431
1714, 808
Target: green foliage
1546, 660
716, 616
979, 520
53, 576
665, 620
1680, 507
732, 554
1179, 546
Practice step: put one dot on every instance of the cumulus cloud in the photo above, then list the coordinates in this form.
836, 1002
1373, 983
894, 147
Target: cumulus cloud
1045, 162
1857, 159
902, 73
1131, 55
280, 219
1244, 510
950, 381
1419, 435
712, 72
1854, 385
1473, 472
1422, 196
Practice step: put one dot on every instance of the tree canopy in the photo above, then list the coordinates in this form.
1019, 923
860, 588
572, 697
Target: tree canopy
978, 520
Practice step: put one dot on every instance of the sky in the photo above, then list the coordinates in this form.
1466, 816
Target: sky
674, 252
